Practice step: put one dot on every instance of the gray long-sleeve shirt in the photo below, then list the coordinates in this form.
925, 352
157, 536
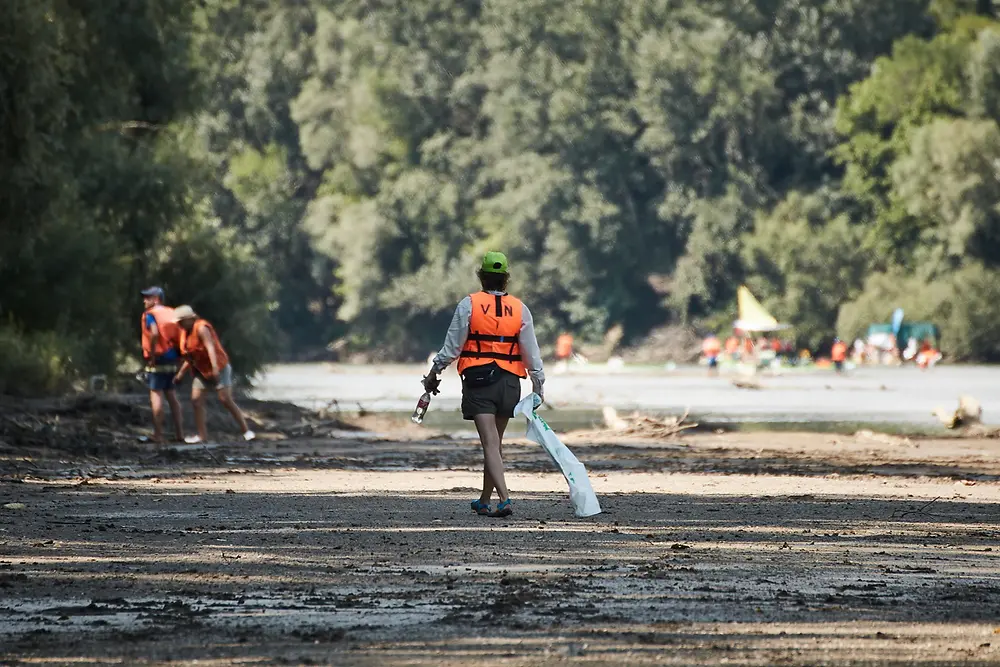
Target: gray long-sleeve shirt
458, 333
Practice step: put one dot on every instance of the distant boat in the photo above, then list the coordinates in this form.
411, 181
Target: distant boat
752, 316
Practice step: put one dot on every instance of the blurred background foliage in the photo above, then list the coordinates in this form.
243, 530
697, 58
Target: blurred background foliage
311, 171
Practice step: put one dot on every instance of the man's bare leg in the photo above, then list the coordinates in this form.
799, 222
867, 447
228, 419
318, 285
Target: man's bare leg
226, 398
175, 412
501, 424
156, 402
489, 436
198, 403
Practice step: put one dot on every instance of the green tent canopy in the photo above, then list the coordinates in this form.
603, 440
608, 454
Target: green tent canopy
908, 330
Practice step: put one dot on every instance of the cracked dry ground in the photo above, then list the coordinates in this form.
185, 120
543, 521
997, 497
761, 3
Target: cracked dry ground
766, 549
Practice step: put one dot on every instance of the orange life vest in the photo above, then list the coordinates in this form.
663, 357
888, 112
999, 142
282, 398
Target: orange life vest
494, 328
194, 350
732, 345
169, 332
564, 346
839, 352
711, 347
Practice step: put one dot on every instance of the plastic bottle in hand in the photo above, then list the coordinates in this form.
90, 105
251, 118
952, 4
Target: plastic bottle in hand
421, 409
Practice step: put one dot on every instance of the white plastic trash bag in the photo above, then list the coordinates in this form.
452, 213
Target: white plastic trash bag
581, 494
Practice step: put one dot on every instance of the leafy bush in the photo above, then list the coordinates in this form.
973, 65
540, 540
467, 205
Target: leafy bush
33, 365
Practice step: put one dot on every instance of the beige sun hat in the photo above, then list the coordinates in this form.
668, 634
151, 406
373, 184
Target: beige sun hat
183, 313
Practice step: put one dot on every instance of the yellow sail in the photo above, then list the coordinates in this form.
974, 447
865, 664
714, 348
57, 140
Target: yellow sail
753, 317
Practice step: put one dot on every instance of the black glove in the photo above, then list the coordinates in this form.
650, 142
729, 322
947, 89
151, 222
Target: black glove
431, 383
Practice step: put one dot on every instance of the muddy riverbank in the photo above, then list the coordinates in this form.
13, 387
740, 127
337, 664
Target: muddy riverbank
357, 549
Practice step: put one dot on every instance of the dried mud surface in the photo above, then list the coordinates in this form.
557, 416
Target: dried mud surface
756, 549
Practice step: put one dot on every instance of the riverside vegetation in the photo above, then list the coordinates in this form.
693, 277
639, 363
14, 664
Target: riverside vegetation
310, 170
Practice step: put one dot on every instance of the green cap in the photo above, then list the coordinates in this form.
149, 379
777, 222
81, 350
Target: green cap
494, 262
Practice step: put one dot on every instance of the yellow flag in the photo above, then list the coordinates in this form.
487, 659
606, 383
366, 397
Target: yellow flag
753, 317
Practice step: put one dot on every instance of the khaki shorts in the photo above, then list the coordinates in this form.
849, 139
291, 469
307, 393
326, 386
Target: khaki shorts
497, 399
225, 380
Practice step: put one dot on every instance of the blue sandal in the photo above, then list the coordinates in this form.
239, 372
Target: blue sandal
506, 508
480, 508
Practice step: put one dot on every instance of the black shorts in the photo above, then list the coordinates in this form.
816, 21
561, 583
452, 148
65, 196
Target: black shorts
497, 399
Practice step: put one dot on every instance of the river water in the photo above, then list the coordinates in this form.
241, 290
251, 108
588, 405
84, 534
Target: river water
876, 394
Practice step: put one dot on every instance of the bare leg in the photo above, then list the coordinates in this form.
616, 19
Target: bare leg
226, 398
198, 403
175, 412
488, 485
156, 402
489, 436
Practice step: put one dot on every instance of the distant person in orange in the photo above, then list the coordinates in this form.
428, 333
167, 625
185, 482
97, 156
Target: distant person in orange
161, 353
564, 347
928, 356
733, 348
205, 356
711, 348
838, 354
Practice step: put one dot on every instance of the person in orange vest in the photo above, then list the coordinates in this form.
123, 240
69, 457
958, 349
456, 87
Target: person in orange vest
838, 354
161, 355
711, 348
207, 359
928, 355
492, 335
564, 347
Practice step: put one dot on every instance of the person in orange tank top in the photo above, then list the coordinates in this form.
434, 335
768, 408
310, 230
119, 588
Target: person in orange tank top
161, 354
208, 360
492, 336
838, 354
564, 347
711, 348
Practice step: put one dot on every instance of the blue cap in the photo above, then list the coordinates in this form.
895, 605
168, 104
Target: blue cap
153, 291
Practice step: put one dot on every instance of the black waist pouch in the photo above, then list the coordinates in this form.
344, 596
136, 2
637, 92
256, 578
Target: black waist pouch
481, 376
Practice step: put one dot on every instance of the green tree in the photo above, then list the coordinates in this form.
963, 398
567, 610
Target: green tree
98, 178
948, 184
254, 57
805, 259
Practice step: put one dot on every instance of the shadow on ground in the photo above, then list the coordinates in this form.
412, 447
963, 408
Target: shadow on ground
99, 574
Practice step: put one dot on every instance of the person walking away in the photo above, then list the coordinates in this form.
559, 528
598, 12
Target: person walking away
711, 348
492, 336
161, 356
838, 354
207, 359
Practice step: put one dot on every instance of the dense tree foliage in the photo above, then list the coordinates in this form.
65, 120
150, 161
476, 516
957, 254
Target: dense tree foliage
308, 170
101, 195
